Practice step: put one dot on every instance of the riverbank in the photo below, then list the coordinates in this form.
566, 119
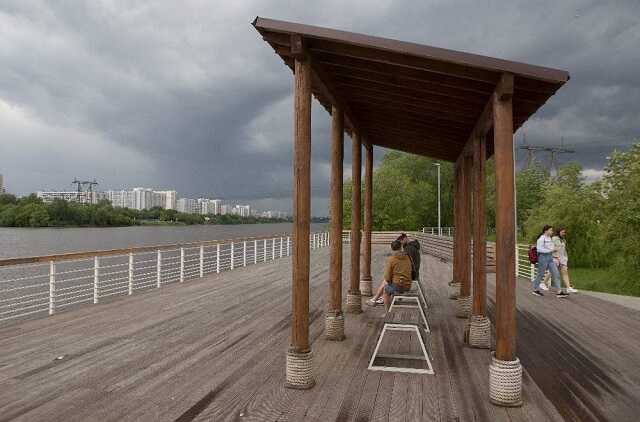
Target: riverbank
31, 211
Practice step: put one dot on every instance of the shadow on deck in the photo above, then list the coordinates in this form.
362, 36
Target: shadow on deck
214, 349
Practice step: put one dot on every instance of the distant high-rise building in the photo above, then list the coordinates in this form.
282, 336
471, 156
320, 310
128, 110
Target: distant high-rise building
142, 198
209, 206
70, 196
2, 188
166, 199
242, 210
189, 206
120, 198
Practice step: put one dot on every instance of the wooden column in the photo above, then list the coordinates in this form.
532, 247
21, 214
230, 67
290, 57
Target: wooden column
368, 215
457, 213
301, 207
505, 315
479, 229
465, 227
335, 263
354, 303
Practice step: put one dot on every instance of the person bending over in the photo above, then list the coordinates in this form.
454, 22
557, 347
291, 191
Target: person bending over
397, 275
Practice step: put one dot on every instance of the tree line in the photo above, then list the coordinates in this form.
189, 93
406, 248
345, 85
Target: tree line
31, 211
602, 218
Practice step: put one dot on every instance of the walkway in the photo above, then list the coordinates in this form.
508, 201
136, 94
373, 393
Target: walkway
200, 351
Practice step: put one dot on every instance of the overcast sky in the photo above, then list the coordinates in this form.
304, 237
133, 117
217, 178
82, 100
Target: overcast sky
186, 95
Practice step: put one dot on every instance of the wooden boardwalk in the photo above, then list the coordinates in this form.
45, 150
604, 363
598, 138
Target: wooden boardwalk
213, 349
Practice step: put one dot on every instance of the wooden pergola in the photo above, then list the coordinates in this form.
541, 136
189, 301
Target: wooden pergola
427, 101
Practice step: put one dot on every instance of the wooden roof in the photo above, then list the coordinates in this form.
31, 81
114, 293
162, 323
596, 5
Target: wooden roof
405, 96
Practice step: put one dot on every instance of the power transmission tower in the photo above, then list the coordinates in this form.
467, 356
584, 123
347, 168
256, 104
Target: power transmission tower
554, 153
531, 151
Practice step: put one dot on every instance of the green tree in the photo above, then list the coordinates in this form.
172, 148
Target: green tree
621, 187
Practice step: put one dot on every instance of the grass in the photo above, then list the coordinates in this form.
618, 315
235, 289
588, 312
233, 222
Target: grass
605, 280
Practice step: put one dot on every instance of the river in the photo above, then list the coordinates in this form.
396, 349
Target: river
15, 242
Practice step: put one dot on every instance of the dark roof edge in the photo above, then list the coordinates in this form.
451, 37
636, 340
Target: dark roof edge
526, 70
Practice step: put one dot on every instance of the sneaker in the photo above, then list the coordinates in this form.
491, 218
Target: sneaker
543, 286
537, 293
371, 302
380, 301
572, 290
562, 295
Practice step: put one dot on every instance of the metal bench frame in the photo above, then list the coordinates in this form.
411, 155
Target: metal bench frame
412, 328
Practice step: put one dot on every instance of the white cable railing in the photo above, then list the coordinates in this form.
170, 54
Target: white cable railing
523, 267
47, 284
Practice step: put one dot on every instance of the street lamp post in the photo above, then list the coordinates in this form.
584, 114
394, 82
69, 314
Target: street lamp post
439, 223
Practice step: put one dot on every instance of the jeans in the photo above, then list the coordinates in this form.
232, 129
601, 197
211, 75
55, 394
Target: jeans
545, 262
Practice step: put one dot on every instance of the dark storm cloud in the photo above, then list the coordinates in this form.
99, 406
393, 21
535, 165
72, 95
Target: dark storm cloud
187, 95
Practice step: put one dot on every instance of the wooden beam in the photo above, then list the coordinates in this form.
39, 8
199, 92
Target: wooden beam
398, 59
424, 89
409, 94
354, 64
335, 263
504, 91
368, 211
505, 314
421, 150
437, 141
479, 306
301, 207
356, 169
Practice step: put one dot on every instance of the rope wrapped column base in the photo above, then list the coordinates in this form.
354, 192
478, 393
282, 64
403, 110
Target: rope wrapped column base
299, 370
365, 286
479, 332
463, 306
334, 327
505, 382
354, 302
454, 290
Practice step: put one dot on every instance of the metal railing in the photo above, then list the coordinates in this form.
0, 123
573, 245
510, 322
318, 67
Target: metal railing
47, 284
442, 231
523, 267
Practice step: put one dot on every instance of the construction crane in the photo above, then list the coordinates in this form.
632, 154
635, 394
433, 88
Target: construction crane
79, 183
90, 185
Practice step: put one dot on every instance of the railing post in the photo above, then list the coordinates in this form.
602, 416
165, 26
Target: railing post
181, 265
52, 287
232, 252
201, 261
159, 269
288, 245
96, 277
264, 258
130, 273
281, 247
218, 258
533, 272
244, 253
255, 251
273, 249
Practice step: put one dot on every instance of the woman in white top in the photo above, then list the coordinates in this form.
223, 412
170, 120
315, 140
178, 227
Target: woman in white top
545, 249
561, 259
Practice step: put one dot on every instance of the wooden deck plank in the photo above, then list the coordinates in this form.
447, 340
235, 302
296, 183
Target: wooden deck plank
213, 349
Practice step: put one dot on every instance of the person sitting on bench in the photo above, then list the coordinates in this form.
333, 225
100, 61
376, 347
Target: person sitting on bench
397, 275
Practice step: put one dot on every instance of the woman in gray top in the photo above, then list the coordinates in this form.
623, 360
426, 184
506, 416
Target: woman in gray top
561, 259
